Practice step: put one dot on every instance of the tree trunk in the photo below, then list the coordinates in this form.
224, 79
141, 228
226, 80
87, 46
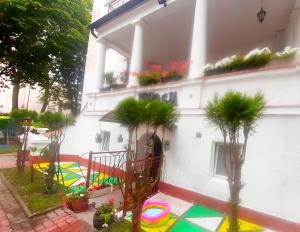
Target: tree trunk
235, 192
45, 100
136, 216
15, 94
233, 217
128, 163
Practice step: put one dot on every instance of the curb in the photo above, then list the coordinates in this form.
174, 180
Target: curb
21, 202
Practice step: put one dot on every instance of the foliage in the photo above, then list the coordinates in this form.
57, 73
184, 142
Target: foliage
38, 125
255, 58
162, 114
120, 226
44, 42
106, 212
19, 114
155, 114
10, 149
57, 123
149, 78
32, 193
80, 195
4, 121
287, 53
157, 74
112, 82
235, 111
128, 112
235, 114
56, 120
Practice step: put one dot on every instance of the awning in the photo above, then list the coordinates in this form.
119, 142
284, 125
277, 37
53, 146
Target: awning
109, 117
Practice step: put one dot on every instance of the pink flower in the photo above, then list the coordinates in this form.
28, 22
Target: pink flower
156, 67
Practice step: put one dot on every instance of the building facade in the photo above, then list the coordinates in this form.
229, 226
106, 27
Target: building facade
143, 32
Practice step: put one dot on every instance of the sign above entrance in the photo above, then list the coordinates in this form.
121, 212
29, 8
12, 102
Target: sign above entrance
167, 97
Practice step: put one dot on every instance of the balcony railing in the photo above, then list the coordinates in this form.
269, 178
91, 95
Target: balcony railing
112, 5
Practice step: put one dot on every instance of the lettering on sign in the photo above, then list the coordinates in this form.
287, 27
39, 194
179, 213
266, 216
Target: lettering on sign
167, 97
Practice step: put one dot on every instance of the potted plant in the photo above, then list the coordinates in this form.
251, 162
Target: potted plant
171, 76
149, 78
104, 215
78, 201
99, 190
176, 72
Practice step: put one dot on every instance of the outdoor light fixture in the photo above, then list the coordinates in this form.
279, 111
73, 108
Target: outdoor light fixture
120, 138
160, 2
198, 135
167, 145
261, 15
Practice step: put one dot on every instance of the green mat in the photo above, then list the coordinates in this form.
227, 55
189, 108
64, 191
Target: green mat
183, 226
197, 211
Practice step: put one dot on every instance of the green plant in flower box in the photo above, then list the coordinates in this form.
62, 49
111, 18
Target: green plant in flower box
149, 78
80, 195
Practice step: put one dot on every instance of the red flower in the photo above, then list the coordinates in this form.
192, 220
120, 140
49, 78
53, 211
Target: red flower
184, 66
174, 65
81, 184
156, 67
110, 201
64, 204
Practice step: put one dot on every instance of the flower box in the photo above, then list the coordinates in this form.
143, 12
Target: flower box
172, 78
79, 205
93, 193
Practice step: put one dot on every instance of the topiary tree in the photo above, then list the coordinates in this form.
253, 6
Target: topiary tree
235, 114
18, 116
57, 124
131, 113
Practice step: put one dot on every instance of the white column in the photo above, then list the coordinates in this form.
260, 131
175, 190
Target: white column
198, 48
293, 29
98, 77
136, 64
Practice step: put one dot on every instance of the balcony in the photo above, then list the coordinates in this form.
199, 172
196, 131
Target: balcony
114, 4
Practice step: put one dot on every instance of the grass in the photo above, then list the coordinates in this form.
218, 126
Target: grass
120, 226
6, 150
32, 193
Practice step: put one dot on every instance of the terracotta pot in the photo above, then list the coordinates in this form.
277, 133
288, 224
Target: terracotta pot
79, 205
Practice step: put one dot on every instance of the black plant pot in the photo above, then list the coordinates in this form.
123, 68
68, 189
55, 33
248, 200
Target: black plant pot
98, 222
171, 78
249, 67
216, 71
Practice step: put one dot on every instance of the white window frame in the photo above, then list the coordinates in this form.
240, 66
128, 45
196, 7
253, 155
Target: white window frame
215, 159
105, 140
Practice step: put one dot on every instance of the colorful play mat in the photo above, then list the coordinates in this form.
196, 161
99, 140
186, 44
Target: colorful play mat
72, 175
200, 219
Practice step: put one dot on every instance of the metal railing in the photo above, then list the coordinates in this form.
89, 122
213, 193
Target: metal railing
106, 167
116, 4
110, 167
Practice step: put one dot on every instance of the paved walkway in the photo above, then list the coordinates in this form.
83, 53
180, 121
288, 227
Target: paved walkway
13, 219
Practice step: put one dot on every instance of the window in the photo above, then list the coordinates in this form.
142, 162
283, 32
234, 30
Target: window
221, 155
105, 140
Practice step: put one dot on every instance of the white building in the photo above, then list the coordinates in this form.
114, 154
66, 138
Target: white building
204, 31
28, 99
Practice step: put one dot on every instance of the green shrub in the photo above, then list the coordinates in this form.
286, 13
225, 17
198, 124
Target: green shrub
106, 212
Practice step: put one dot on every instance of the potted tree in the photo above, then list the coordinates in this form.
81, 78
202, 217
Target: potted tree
235, 114
104, 215
78, 201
